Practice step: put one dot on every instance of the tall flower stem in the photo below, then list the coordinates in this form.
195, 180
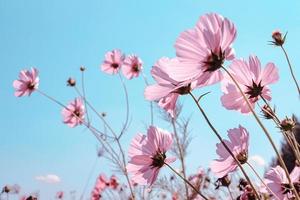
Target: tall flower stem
224, 144
230, 193
181, 156
127, 107
291, 69
186, 181
265, 131
151, 103
261, 180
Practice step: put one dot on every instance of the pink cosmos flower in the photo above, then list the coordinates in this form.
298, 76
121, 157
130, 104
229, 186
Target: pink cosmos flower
73, 114
101, 184
206, 47
169, 84
238, 144
148, 155
277, 182
253, 81
59, 195
113, 61
248, 194
132, 66
113, 182
27, 83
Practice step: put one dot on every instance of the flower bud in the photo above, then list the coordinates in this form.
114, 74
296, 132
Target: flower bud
71, 82
288, 124
277, 38
268, 112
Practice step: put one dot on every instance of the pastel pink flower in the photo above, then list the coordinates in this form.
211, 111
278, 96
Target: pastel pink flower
73, 114
247, 194
206, 47
132, 66
148, 155
113, 182
59, 195
101, 184
27, 83
253, 81
113, 62
169, 85
278, 184
238, 144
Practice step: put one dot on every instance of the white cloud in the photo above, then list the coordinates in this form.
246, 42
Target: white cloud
49, 178
257, 160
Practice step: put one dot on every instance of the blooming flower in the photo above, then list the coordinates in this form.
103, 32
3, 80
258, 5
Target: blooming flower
113, 182
278, 184
248, 194
73, 114
253, 81
27, 83
238, 144
206, 47
132, 66
113, 61
59, 195
101, 184
169, 84
148, 155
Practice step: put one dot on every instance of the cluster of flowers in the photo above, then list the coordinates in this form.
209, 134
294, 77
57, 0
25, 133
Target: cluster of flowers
200, 56
103, 183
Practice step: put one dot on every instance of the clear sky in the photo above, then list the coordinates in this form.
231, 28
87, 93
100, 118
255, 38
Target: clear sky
58, 36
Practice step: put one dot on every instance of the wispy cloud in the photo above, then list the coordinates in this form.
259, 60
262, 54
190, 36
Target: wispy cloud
257, 160
49, 178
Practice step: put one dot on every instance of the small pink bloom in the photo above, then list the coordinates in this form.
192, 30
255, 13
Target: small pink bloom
169, 84
101, 184
59, 195
253, 81
238, 144
113, 61
73, 114
27, 83
113, 182
132, 66
248, 194
278, 184
148, 155
206, 47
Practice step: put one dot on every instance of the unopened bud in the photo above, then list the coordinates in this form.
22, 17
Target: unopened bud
71, 82
277, 38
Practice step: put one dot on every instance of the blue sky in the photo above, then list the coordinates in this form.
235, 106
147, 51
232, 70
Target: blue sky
59, 36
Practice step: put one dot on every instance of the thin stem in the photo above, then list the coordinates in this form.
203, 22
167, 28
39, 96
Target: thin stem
89, 178
117, 138
224, 144
265, 131
127, 107
291, 141
186, 181
230, 193
181, 156
151, 103
261, 180
83, 92
291, 69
